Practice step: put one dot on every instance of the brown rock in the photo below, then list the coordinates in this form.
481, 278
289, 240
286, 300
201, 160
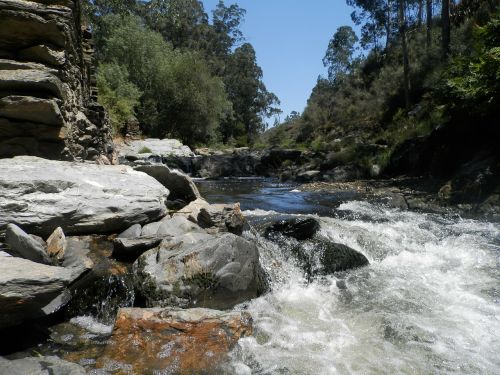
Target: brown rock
56, 244
173, 341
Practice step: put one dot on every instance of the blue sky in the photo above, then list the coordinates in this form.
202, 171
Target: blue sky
290, 37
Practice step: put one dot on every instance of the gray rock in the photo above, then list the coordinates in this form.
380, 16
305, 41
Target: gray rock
132, 248
308, 176
144, 148
175, 226
23, 245
23, 80
216, 217
132, 232
27, 287
335, 257
40, 366
81, 198
179, 184
215, 271
43, 54
27, 108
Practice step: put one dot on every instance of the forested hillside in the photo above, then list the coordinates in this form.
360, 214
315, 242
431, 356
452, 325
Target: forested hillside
415, 66
176, 72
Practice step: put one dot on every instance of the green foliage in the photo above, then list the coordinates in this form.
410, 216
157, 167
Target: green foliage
180, 96
145, 150
339, 54
195, 82
471, 86
117, 94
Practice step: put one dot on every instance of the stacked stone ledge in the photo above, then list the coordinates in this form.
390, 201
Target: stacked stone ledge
48, 95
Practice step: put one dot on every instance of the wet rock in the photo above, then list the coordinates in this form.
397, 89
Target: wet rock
101, 292
180, 185
23, 245
133, 232
39, 195
335, 257
40, 366
56, 245
26, 287
196, 269
131, 248
173, 341
298, 228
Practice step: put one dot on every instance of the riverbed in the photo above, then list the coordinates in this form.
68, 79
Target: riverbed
428, 303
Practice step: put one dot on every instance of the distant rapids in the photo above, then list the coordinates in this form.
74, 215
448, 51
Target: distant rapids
429, 302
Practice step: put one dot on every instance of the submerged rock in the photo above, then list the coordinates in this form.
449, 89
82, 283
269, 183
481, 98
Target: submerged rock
298, 228
25, 246
173, 341
39, 195
26, 287
196, 269
40, 366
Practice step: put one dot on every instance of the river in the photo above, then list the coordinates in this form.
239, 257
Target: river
428, 303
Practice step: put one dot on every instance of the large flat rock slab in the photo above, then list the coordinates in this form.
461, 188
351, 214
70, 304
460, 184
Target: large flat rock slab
27, 287
40, 195
173, 341
144, 148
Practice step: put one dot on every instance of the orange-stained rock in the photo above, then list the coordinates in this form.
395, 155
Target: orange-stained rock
173, 341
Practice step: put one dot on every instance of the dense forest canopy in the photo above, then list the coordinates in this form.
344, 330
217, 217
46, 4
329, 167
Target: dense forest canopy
178, 72
414, 66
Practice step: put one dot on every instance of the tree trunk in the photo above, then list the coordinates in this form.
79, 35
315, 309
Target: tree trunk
406, 62
445, 28
429, 24
420, 13
388, 26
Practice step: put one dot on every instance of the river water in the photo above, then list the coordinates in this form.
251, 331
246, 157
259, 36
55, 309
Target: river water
428, 303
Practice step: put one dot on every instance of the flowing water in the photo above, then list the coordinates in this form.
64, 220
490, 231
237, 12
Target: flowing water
428, 303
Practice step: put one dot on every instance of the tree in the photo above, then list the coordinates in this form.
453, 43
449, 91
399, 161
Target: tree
404, 44
117, 94
252, 103
339, 54
181, 98
445, 28
181, 22
428, 15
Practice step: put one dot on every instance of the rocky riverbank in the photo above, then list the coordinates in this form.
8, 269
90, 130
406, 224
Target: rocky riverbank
82, 241
471, 188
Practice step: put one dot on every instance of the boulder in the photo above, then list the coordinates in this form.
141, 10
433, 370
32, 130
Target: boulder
40, 194
40, 366
129, 249
179, 184
215, 217
308, 176
177, 226
196, 269
298, 228
335, 257
144, 148
133, 232
173, 341
25, 246
27, 287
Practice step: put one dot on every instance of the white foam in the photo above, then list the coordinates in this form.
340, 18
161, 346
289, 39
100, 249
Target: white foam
92, 325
